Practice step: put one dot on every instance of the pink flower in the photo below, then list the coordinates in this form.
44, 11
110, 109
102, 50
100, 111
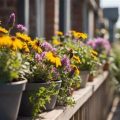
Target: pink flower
21, 28
91, 43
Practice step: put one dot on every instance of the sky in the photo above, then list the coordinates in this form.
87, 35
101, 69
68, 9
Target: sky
111, 3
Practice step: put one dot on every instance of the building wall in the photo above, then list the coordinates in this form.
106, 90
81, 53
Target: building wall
6, 8
79, 14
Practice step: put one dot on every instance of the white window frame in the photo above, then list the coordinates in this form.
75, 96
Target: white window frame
40, 17
26, 15
67, 18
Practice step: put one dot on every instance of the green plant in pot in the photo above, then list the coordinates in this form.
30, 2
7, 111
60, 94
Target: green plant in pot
13, 67
103, 47
80, 54
68, 71
89, 61
43, 81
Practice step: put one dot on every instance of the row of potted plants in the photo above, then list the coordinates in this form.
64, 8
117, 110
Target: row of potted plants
47, 72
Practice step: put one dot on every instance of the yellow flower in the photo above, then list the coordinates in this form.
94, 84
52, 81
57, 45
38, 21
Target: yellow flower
76, 58
79, 35
94, 54
59, 33
25, 48
15, 43
35, 44
24, 37
53, 59
50, 57
76, 71
3, 30
57, 61
83, 35
5, 41
56, 42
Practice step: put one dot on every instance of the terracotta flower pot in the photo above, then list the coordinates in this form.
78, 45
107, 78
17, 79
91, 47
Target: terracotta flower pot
91, 77
106, 66
10, 98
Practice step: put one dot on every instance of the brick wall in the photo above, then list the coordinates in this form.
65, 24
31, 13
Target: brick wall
32, 21
77, 15
49, 18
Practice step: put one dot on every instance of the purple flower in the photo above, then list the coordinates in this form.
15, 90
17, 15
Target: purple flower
102, 44
56, 73
91, 43
11, 21
21, 28
99, 41
66, 63
39, 57
47, 46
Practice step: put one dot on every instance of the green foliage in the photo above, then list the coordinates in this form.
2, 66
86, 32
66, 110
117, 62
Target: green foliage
64, 96
11, 66
41, 97
115, 65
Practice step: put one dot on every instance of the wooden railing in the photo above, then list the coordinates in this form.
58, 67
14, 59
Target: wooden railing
92, 102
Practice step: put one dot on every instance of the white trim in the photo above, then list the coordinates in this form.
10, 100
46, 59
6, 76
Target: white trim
91, 23
56, 12
27, 14
40, 17
67, 20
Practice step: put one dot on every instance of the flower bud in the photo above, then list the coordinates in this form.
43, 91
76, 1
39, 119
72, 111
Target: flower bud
11, 21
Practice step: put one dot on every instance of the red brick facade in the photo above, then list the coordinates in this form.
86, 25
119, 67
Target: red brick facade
49, 18
77, 15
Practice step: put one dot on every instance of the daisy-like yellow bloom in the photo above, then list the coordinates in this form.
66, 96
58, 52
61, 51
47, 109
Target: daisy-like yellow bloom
3, 30
5, 41
57, 61
53, 59
84, 36
79, 35
74, 33
76, 71
76, 58
94, 54
59, 33
24, 37
25, 48
15, 43
56, 42
35, 44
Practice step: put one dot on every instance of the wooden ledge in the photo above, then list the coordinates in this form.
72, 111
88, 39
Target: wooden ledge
80, 96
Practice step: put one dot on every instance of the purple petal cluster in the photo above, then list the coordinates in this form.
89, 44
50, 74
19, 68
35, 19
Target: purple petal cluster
11, 21
91, 43
47, 46
66, 63
21, 28
104, 43
39, 57
100, 44
56, 73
